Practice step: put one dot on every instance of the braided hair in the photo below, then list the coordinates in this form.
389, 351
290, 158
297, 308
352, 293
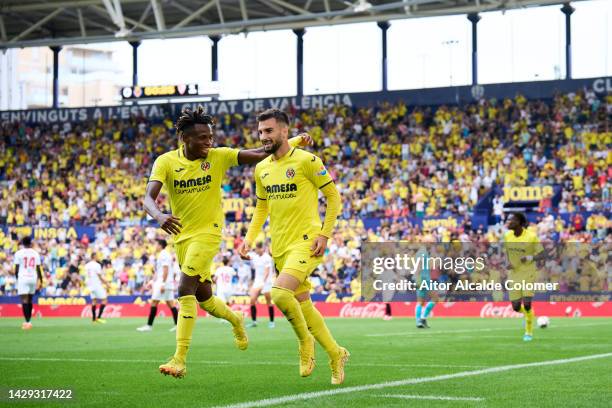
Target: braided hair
189, 118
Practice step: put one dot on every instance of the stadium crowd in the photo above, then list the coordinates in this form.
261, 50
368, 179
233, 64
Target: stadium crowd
390, 161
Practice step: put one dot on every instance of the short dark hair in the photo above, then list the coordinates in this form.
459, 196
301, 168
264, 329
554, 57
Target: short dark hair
189, 118
226, 260
522, 219
259, 245
162, 243
277, 114
26, 241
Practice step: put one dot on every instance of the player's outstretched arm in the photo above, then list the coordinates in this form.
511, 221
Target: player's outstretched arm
257, 222
39, 272
167, 222
254, 156
334, 205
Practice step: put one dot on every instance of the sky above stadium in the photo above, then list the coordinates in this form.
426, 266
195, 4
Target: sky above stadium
519, 45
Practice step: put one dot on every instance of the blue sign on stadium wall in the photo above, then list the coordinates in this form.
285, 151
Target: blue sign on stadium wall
432, 96
75, 231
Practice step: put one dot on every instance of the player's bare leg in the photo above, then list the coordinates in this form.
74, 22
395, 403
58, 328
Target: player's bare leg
283, 294
217, 308
172, 306
100, 311
26, 307
271, 324
94, 304
254, 294
152, 313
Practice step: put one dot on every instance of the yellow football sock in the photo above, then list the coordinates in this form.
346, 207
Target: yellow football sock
184, 327
318, 328
288, 304
217, 308
529, 318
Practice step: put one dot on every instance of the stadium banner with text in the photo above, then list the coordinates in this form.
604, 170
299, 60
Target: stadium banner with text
340, 309
529, 193
76, 231
403, 271
431, 97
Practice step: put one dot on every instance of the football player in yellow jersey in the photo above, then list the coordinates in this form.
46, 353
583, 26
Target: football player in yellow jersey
193, 175
287, 187
523, 249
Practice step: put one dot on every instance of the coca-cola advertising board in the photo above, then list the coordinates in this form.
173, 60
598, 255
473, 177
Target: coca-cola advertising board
345, 310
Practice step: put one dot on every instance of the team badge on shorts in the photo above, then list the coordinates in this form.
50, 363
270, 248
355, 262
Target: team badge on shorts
205, 166
290, 173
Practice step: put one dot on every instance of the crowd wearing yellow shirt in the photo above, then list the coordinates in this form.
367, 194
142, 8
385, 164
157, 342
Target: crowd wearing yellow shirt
389, 161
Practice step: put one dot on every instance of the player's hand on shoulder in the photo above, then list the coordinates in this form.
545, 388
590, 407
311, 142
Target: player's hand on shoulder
319, 245
305, 140
169, 223
244, 249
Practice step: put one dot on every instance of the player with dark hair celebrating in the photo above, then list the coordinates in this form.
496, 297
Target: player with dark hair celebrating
523, 249
29, 275
287, 187
192, 175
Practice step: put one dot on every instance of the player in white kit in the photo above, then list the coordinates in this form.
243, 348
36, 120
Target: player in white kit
28, 271
264, 277
97, 286
163, 285
223, 278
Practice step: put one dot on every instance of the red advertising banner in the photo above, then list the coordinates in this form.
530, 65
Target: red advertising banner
350, 310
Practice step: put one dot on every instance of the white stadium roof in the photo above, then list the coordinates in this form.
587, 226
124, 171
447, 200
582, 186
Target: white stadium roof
31, 23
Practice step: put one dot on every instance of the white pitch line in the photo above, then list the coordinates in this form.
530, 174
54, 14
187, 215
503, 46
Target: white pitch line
413, 334
431, 397
225, 363
408, 381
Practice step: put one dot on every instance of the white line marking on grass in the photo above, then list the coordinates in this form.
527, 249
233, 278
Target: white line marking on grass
416, 334
431, 397
224, 363
408, 381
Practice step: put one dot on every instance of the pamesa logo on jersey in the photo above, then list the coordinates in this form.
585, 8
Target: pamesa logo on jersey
205, 166
290, 173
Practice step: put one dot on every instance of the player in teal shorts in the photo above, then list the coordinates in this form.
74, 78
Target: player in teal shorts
423, 310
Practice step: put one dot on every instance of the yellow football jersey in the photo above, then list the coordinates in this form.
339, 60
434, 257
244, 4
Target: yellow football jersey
291, 187
526, 244
194, 189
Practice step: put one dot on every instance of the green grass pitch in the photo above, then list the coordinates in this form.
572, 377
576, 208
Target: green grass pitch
112, 365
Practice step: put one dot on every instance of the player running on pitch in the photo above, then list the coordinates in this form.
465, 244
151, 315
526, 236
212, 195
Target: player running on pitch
262, 284
523, 249
287, 186
163, 286
97, 288
192, 176
29, 275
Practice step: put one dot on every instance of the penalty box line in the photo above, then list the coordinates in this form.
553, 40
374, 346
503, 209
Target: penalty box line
408, 381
